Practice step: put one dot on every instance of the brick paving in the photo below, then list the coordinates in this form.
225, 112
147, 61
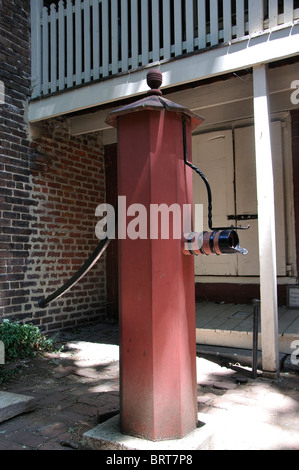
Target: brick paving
78, 388
75, 389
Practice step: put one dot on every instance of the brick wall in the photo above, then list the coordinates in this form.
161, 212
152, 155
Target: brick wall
15, 186
50, 185
67, 177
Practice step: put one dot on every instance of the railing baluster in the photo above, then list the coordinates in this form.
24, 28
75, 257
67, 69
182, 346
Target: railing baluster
45, 52
144, 33
70, 44
61, 46
156, 30
124, 36
202, 21
227, 20
166, 30
240, 13
189, 26
273, 13
105, 38
36, 47
288, 11
134, 33
53, 32
214, 33
178, 39
96, 39
256, 16
78, 33
114, 35
87, 42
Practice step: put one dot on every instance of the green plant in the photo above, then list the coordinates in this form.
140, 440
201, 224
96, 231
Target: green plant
22, 341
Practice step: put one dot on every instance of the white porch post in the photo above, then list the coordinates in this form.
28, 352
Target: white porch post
266, 225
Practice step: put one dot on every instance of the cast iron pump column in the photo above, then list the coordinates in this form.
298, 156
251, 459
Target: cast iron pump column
157, 299
157, 295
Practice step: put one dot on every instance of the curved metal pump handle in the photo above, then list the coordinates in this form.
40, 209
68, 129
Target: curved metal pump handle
210, 223
92, 260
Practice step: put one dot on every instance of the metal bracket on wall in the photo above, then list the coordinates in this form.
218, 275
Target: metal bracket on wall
242, 217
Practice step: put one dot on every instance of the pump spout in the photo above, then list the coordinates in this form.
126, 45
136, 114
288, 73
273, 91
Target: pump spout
224, 242
241, 250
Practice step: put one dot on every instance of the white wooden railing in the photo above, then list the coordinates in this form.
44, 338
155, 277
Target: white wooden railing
75, 42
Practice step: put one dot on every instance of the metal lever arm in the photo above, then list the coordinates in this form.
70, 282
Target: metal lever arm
92, 260
208, 187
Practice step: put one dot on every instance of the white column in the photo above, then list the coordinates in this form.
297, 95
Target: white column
266, 225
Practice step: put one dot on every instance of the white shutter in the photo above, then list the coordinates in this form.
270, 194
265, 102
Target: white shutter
213, 155
246, 200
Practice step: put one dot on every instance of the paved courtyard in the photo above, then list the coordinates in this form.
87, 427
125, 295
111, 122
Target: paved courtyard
78, 388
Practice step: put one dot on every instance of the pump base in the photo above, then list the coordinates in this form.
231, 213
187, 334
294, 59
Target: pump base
107, 436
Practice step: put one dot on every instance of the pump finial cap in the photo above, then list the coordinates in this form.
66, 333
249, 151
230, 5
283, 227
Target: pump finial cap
154, 81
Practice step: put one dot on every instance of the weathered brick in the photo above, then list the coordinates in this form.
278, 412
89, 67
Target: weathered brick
48, 196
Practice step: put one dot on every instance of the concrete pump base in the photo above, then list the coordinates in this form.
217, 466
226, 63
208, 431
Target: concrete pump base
107, 436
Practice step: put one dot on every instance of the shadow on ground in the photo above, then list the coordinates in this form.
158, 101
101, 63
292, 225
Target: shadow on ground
78, 388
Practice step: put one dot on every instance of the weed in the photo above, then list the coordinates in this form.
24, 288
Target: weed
21, 341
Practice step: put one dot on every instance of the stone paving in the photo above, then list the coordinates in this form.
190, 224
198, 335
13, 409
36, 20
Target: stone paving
78, 388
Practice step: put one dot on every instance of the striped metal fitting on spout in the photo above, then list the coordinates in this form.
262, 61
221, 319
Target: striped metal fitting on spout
219, 242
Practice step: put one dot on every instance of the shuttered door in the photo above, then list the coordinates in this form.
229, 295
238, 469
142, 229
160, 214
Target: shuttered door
213, 154
246, 201
229, 164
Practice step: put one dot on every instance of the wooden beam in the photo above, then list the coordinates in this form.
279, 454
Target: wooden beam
217, 102
266, 226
